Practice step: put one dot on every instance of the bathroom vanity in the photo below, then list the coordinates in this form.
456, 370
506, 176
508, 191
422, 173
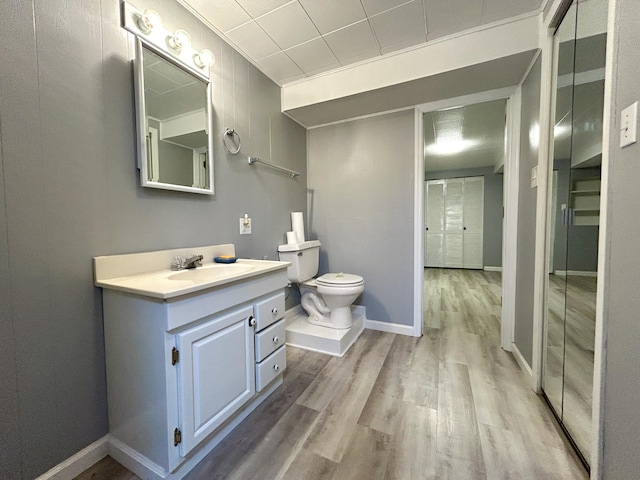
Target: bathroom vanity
189, 353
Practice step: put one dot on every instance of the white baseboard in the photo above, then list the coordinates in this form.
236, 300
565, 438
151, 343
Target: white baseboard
575, 273
524, 366
389, 327
492, 269
78, 463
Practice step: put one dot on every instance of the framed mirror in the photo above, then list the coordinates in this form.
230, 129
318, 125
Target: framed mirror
174, 123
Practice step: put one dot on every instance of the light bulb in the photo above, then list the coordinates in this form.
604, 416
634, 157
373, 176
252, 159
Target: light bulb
179, 39
205, 58
148, 20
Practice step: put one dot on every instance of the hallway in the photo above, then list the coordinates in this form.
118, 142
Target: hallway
449, 405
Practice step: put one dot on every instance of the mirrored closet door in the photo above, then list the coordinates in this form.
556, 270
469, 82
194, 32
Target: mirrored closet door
579, 56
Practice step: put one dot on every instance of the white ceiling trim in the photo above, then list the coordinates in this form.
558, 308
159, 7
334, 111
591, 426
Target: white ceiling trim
458, 52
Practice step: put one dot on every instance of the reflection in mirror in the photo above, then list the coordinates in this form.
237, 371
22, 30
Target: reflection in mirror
174, 124
564, 43
574, 219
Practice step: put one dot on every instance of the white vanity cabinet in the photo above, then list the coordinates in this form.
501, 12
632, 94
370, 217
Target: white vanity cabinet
182, 372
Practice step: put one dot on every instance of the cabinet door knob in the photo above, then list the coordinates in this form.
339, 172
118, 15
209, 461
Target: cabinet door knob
274, 311
252, 321
276, 339
276, 367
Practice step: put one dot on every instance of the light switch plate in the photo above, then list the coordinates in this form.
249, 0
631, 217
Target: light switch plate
629, 125
245, 226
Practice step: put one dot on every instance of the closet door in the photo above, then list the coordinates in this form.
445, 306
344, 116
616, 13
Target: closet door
473, 215
580, 46
434, 224
453, 223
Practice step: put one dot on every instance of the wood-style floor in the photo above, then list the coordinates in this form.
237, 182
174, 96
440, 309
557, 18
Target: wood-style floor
449, 405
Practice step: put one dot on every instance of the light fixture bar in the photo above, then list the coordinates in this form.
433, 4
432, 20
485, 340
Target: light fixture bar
147, 25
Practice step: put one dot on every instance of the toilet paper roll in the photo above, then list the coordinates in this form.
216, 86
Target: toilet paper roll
292, 238
297, 225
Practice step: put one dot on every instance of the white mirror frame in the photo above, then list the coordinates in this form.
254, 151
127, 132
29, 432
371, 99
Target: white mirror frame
156, 41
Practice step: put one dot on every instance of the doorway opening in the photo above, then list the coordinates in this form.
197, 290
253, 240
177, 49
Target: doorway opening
464, 156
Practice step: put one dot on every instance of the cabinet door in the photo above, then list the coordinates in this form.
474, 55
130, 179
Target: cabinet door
434, 223
216, 374
453, 223
473, 222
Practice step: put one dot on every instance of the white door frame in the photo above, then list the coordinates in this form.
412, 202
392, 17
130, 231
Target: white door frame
510, 200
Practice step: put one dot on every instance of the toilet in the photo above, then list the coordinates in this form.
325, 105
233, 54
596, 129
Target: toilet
328, 298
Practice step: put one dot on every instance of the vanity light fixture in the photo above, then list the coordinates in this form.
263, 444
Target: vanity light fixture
205, 58
179, 40
148, 20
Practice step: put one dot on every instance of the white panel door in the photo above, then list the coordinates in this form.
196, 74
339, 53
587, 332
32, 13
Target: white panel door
216, 374
473, 222
453, 222
434, 223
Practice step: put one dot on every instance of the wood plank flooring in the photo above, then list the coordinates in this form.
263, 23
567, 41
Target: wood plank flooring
449, 405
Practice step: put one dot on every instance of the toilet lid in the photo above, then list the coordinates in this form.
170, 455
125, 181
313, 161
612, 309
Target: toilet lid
339, 279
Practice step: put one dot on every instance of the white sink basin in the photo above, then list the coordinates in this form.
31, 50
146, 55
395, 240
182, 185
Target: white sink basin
211, 272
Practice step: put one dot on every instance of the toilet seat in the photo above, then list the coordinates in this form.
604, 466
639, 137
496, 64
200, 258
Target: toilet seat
338, 280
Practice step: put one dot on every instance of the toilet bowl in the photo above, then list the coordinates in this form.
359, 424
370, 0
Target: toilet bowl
327, 299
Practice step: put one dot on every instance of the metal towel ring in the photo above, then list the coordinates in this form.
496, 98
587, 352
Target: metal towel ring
229, 132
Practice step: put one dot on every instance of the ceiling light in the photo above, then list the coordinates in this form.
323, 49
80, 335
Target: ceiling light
450, 147
179, 39
205, 58
148, 20
560, 131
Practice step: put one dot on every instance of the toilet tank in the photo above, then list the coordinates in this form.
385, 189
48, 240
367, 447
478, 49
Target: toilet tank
304, 258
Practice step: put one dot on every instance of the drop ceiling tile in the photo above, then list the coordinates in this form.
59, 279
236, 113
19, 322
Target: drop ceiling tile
280, 67
495, 10
376, 6
354, 41
444, 13
313, 55
225, 15
253, 41
323, 13
256, 8
288, 25
401, 25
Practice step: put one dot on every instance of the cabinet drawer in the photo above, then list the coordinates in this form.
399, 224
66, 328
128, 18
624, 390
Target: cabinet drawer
270, 368
269, 311
269, 340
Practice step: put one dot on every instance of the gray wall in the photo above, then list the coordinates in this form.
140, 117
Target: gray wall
492, 221
361, 208
621, 298
527, 215
71, 191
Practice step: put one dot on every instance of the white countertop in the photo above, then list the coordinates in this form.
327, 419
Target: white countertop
148, 273
165, 284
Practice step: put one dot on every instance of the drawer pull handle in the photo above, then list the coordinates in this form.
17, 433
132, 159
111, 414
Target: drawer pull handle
274, 311
276, 340
276, 367
252, 321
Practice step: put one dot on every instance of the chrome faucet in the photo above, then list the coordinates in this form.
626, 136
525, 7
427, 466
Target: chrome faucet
193, 261
182, 263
